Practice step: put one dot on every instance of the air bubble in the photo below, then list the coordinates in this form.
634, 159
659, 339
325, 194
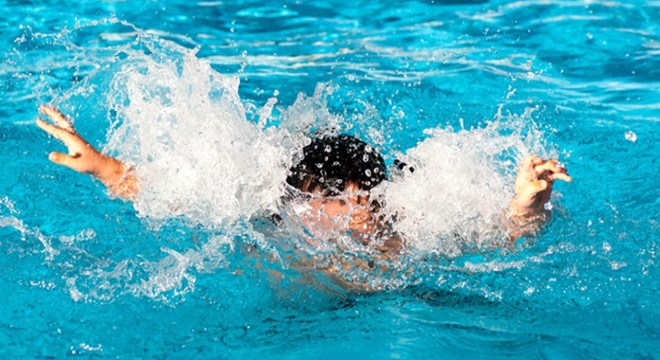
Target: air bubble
367, 172
631, 136
548, 206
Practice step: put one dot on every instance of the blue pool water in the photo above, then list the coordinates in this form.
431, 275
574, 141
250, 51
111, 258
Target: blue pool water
183, 273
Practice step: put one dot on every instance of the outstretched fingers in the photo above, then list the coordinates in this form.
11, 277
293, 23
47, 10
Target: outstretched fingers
57, 132
57, 117
62, 128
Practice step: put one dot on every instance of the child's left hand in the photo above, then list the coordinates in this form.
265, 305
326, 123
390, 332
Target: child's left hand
533, 185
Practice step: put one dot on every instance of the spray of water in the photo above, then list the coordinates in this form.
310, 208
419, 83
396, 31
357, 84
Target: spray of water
455, 192
184, 127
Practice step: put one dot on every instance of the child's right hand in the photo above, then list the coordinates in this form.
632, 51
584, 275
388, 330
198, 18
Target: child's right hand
84, 158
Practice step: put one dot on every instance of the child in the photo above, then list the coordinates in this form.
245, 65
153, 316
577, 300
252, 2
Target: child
334, 178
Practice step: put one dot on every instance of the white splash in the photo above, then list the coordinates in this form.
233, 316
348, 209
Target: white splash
461, 184
183, 126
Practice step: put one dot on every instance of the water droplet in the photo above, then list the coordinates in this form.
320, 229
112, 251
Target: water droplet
631, 136
548, 206
367, 148
327, 148
367, 172
365, 158
530, 291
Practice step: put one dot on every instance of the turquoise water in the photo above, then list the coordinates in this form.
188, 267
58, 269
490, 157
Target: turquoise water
184, 273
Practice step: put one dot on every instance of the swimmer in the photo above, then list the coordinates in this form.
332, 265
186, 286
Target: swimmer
334, 179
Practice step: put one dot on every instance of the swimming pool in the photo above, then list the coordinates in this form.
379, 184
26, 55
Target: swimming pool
481, 81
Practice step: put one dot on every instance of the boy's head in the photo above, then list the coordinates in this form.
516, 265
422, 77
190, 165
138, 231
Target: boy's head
330, 163
338, 172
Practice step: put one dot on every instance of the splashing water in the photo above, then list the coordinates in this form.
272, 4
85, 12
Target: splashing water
458, 190
184, 128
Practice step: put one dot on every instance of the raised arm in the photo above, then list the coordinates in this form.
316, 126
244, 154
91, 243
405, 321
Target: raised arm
533, 187
84, 158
